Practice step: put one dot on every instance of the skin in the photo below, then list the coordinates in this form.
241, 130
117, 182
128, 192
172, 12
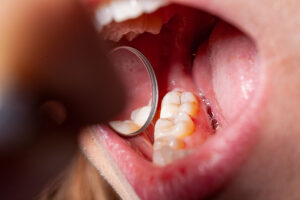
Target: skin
271, 169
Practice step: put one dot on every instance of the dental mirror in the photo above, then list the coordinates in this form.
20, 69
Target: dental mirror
140, 84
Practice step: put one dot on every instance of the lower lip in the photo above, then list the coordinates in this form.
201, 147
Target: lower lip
197, 175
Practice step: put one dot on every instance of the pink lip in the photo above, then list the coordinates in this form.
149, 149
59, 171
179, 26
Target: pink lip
197, 175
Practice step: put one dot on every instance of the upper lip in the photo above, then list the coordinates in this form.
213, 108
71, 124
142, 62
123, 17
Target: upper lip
217, 159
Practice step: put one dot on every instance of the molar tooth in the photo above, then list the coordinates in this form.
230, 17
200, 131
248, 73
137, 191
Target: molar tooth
184, 125
170, 141
174, 124
189, 103
180, 126
167, 155
163, 156
140, 115
125, 127
163, 127
188, 97
171, 98
170, 104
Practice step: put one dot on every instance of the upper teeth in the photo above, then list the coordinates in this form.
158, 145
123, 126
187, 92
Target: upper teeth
121, 10
175, 123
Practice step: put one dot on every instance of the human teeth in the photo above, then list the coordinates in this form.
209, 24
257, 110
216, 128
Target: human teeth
125, 127
130, 29
174, 125
189, 103
121, 10
184, 126
103, 15
170, 104
169, 110
170, 141
180, 126
171, 97
152, 5
140, 115
167, 155
138, 118
163, 127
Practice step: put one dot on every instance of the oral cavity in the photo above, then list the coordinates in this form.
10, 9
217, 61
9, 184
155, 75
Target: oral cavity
187, 119
182, 123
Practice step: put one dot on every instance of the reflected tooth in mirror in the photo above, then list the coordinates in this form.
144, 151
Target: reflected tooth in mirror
140, 115
125, 127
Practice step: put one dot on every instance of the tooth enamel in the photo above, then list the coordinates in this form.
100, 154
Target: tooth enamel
169, 110
170, 104
125, 127
163, 127
140, 115
103, 15
170, 141
171, 97
138, 118
189, 103
174, 125
121, 10
184, 126
152, 5
167, 155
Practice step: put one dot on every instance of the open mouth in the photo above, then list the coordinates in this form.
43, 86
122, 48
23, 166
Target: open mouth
200, 59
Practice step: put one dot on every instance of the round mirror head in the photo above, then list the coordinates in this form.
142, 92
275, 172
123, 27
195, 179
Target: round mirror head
140, 84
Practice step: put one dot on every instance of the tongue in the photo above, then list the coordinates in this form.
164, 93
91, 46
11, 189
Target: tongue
226, 69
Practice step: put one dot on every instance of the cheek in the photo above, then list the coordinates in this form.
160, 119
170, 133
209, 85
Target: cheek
271, 170
227, 69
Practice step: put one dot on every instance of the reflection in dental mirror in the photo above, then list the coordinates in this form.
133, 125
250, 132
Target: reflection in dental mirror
141, 88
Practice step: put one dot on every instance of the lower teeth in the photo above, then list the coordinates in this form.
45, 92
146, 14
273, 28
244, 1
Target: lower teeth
174, 126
